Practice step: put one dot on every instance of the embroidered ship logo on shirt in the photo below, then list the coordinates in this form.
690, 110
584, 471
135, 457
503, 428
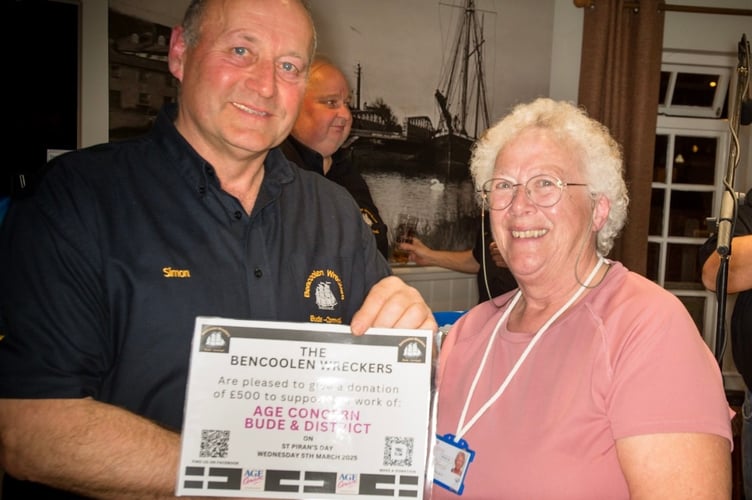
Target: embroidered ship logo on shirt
326, 293
325, 299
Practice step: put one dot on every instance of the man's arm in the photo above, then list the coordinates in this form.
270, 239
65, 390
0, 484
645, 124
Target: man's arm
88, 447
739, 268
456, 260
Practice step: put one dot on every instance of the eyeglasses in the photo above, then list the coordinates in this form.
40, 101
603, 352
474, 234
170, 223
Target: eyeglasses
541, 190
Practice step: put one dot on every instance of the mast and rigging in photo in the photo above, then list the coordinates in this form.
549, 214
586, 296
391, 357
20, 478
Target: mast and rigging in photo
378, 142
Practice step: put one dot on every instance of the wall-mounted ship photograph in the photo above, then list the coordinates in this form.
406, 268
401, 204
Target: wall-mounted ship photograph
429, 155
418, 146
427, 78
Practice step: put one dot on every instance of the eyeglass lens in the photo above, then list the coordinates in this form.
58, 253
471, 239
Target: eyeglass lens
542, 190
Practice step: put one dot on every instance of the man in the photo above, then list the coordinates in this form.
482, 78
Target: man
484, 260
106, 267
318, 134
740, 282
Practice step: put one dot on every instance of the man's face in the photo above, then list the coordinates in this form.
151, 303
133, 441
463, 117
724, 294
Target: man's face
325, 118
243, 82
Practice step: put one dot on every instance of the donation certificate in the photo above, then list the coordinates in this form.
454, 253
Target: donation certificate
299, 410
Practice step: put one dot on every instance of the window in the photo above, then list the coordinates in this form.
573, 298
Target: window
693, 91
115, 98
691, 152
144, 99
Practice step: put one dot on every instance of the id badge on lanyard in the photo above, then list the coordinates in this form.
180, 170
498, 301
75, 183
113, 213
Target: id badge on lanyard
453, 456
451, 461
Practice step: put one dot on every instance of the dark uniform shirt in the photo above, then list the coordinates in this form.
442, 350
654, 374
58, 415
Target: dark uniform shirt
106, 267
344, 173
741, 317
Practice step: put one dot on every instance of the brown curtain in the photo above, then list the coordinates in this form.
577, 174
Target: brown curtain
619, 86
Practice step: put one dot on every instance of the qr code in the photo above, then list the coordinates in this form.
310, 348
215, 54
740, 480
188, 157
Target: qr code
214, 444
398, 451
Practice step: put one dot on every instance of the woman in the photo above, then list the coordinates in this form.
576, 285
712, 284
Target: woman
589, 381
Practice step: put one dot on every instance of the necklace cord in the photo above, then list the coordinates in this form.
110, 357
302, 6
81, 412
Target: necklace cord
462, 428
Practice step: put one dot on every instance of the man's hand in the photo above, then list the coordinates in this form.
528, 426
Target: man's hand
493, 250
392, 303
419, 252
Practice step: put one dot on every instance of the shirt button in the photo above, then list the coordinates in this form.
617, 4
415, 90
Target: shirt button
257, 272
238, 215
209, 171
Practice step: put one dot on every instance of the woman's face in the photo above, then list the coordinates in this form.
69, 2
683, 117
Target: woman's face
538, 243
459, 460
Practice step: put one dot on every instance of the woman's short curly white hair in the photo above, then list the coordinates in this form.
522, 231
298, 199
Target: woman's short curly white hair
601, 155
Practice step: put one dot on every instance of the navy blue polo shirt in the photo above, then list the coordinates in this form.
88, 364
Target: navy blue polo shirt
106, 266
344, 173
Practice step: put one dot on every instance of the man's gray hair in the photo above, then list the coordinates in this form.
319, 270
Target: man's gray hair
195, 12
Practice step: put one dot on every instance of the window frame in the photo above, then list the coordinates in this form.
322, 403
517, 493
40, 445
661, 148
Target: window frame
700, 125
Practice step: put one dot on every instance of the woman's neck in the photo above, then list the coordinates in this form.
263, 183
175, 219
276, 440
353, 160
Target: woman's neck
541, 301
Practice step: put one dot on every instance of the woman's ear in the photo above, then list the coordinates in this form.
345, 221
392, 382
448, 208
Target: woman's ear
601, 207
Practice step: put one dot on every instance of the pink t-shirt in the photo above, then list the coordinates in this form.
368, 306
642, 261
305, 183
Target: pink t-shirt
625, 360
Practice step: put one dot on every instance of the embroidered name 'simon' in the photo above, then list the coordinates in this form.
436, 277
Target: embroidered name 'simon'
169, 272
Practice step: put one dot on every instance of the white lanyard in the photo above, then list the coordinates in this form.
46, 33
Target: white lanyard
462, 428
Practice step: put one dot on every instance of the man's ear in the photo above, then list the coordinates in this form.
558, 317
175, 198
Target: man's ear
601, 207
175, 56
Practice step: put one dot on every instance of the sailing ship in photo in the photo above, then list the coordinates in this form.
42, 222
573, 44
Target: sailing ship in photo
377, 142
462, 97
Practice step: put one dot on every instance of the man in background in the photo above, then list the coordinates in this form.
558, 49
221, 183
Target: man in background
484, 260
316, 140
739, 282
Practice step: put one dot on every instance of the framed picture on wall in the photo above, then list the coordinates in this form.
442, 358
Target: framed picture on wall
417, 107
140, 80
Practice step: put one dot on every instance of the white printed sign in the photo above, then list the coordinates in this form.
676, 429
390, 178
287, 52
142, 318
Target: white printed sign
299, 410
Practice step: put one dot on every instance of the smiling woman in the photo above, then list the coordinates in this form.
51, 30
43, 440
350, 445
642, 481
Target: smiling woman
581, 327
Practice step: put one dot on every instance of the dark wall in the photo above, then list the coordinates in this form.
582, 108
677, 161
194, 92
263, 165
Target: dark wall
43, 78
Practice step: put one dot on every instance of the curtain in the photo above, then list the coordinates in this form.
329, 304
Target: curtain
620, 72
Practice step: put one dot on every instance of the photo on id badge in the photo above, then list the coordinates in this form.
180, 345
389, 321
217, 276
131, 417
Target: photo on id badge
451, 461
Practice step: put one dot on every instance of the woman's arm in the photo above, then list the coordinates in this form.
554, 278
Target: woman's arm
676, 465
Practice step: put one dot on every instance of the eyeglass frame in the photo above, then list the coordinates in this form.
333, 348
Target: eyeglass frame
559, 183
